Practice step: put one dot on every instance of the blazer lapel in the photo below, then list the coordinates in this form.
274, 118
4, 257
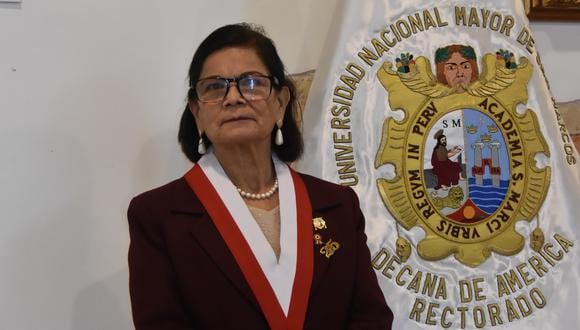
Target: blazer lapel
206, 234
203, 230
322, 201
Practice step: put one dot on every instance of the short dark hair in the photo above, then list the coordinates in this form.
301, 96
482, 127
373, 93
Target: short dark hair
251, 36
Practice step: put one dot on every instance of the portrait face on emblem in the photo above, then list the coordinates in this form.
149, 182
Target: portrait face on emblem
456, 66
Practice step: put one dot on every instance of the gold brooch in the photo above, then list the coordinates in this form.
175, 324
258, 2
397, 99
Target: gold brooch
318, 239
319, 223
329, 248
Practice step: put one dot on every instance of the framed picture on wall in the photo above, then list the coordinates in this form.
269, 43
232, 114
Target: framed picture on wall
553, 10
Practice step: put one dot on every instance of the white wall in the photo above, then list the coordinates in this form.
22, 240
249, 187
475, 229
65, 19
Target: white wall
559, 47
91, 92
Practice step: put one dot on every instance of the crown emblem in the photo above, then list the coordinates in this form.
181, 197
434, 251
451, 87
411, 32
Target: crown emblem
472, 129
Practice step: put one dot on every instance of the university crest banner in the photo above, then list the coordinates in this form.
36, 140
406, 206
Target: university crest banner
439, 115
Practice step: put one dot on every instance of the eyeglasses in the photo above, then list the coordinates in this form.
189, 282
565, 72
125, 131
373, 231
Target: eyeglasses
252, 87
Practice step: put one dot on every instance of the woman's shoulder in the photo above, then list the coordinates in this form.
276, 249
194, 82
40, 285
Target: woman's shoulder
323, 187
162, 195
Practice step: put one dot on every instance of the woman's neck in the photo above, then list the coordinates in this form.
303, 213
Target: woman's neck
250, 168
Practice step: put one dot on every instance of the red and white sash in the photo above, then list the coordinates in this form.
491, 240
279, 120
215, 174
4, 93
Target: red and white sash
281, 286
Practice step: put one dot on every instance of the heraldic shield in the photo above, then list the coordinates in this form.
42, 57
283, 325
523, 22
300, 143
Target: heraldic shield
464, 156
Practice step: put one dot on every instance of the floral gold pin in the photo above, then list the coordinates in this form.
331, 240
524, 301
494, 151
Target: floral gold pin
319, 223
329, 248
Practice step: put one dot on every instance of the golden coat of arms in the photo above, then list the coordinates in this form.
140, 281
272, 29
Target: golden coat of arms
464, 156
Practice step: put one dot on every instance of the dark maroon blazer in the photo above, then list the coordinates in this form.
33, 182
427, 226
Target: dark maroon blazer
182, 275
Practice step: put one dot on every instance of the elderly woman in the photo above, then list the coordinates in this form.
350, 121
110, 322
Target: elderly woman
242, 241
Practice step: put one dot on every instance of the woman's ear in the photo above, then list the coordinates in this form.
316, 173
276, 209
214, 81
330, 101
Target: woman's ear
283, 97
194, 109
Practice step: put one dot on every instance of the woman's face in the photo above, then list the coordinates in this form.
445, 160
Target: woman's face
458, 71
235, 120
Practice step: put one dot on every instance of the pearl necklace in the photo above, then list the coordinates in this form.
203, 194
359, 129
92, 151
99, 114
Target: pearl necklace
265, 195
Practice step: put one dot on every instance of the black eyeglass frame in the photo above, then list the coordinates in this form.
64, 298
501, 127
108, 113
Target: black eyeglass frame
273, 82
